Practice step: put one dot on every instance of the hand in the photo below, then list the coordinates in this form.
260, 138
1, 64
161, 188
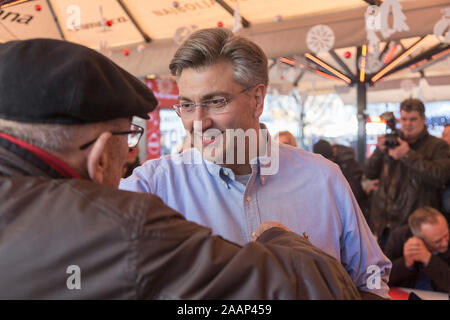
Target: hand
266, 226
381, 142
409, 260
415, 250
399, 152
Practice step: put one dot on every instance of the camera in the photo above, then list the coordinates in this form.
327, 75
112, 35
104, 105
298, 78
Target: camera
391, 132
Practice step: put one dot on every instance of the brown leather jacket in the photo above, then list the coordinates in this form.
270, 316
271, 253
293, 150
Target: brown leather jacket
131, 246
412, 182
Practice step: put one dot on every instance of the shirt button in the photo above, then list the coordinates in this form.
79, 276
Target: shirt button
249, 198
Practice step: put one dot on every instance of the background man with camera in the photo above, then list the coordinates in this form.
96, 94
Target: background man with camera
412, 171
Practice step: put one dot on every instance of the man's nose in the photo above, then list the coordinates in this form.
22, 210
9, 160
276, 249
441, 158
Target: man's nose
201, 114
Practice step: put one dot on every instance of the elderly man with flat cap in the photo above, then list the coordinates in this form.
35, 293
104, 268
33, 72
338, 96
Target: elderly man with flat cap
68, 233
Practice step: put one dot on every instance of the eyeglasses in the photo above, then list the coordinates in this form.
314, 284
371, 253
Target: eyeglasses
215, 106
134, 135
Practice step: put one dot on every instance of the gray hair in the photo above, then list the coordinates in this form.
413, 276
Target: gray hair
53, 137
208, 46
421, 216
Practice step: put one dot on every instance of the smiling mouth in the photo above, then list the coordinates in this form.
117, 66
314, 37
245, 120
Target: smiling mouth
208, 140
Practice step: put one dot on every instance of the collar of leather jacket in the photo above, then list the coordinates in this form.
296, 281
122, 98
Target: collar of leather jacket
418, 140
15, 160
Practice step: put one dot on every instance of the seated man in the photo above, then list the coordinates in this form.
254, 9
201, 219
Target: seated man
420, 253
237, 177
66, 232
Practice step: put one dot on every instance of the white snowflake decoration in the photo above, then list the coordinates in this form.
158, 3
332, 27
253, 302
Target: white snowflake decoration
182, 33
441, 27
104, 48
377, 20
407, 85
373, 63
320, 38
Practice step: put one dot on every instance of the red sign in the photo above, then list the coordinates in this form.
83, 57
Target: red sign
153, 136
165, 91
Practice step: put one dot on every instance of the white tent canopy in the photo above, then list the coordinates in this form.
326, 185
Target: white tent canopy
278, 26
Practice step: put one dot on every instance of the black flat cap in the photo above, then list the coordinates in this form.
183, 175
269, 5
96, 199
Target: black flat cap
53, 81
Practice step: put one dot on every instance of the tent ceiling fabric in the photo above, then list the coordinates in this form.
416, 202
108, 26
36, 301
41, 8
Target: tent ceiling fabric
161, 19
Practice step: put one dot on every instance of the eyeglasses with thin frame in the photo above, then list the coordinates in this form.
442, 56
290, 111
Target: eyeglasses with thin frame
134, 135
215, 106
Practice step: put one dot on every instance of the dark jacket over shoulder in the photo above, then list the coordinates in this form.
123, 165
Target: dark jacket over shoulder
345, 158
131, 246
415, 181
438, 269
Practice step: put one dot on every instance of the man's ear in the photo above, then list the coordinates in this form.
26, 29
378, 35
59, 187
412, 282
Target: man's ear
97, 158
260, 93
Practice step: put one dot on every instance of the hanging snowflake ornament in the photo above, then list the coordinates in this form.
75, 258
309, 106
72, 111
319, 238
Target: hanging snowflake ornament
441, 28
104, 48
140, 48
182, 33
423, 89
377, 20
237, 25
407, 85
373, 24
373, 63
399, 19
320, 38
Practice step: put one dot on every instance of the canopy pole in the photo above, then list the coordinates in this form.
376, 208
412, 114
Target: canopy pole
361, 94
133, 20
56, 20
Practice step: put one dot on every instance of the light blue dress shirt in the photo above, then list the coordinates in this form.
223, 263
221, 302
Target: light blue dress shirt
308, 194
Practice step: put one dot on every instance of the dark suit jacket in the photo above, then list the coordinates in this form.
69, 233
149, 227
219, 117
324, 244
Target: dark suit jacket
438, 269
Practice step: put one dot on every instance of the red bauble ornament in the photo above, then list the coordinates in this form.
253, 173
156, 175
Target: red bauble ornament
220, 24
38, 7
347, 54
109, 23
126, 52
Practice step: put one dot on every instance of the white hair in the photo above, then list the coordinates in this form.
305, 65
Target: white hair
54, 137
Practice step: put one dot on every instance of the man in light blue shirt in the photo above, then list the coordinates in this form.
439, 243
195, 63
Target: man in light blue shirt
236, 177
